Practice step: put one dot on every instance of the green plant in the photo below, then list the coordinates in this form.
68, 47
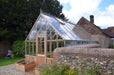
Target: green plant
18, 48
91, 71
111, 46
54, 69
72, 72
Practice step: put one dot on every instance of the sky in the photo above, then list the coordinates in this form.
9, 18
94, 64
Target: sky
103, 11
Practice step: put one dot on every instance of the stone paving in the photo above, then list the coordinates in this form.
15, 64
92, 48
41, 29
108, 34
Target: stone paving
10, 70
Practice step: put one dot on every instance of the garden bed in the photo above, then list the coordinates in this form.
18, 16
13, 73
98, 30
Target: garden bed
24, 65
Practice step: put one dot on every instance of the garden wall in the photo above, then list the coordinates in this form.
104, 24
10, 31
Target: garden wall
84, 58
4, 47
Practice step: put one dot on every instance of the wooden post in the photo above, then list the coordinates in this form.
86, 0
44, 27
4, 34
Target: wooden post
45, 48
36, 45
50, 44
57, 40
64, 43
25, 48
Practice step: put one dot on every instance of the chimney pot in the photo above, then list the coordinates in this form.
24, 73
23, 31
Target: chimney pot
92, 19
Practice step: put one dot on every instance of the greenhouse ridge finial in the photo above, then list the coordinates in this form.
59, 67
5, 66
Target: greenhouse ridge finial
41, 10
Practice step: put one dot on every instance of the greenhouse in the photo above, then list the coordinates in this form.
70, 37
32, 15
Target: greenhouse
48, 33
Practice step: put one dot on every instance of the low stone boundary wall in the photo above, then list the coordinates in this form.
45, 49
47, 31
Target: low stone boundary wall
84, 58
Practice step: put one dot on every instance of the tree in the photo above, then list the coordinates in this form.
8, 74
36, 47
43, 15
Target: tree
18, 16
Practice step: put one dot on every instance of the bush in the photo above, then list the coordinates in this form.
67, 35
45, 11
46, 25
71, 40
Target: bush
18, 48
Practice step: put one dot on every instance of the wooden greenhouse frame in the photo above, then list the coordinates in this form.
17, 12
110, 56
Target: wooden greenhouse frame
46, 57
43, 39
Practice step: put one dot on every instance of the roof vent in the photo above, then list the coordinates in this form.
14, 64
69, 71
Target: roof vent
60, 21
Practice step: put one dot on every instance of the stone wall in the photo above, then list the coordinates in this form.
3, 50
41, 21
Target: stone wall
4, 47
102, 39
84, 58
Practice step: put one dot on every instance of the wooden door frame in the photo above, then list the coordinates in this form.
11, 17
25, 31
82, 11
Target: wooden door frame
45, 46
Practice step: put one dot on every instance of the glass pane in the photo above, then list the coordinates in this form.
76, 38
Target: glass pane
41, 48
48, 49
27, 48
40, 28
43, 27
31, 48
34, 48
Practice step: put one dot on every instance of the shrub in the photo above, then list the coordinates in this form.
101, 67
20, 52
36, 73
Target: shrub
18, 48
54, 69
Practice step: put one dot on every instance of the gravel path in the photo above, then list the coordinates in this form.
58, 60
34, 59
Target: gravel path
10, 70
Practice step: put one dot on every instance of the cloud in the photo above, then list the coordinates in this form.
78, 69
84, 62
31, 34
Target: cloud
85, 8
64, 1
80, 8
105, 18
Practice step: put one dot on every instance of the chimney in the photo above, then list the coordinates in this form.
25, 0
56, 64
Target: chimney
92, 19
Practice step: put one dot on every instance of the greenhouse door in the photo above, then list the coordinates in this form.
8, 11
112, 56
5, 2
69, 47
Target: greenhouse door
41, 50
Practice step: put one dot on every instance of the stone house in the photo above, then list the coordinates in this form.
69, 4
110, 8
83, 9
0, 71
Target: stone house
92, 32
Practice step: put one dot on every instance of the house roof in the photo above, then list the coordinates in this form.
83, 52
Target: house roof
109, 31
89, 27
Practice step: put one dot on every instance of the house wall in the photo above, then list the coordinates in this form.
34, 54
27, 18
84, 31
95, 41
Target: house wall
4, 47
79, 31
84, 58
102, 39
112, 41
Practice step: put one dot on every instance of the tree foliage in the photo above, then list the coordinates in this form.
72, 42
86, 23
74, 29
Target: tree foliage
18, 16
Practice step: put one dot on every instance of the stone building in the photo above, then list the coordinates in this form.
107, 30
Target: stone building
92, 32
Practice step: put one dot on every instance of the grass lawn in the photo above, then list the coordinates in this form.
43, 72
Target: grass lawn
4, 61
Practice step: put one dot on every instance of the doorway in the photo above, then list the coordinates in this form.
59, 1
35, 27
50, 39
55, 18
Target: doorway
40, 50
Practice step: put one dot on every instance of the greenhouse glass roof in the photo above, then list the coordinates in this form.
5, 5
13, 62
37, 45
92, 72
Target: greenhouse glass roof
64, 29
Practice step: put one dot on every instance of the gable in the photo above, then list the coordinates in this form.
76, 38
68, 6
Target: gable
89, 27
40, 27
